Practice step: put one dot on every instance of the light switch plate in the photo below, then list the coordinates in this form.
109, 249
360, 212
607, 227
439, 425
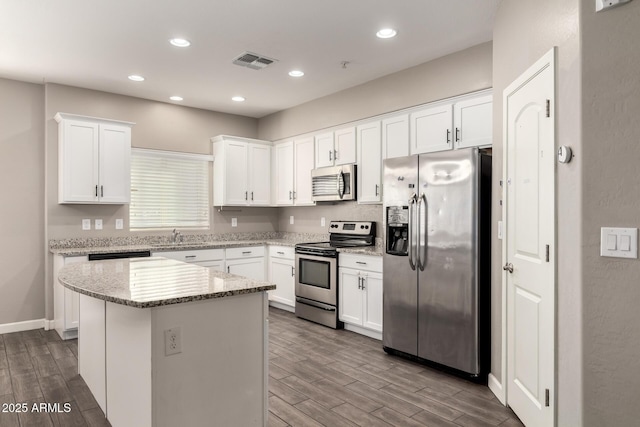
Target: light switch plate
86, 224
234, 222
615, 241
291, 219
323, 222
98, 224
119, 224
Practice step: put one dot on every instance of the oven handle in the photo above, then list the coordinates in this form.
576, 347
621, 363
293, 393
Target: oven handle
341, 181
316, 304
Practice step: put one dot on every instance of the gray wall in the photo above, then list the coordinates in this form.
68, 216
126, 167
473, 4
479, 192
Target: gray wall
307, 218
22, 207
466, 71
525, 30
611, 197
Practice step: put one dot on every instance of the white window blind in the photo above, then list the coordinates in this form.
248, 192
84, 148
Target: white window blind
169, 190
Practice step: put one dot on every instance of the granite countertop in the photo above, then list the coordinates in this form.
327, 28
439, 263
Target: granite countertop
154, 281
365, 250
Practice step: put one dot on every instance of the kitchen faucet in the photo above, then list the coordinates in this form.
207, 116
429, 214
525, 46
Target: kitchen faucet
176, 236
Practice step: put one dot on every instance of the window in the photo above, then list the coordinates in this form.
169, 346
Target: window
169, 190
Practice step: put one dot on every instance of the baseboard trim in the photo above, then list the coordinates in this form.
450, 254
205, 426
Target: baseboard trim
363, 331
496, 387
49, 325
282, 306
27, 325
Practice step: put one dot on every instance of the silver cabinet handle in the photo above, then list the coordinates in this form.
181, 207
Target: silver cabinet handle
377, 186
252, 195
190, 256
280, 253
457, 134
290, 195
508, 267
102, 191
412, 230
294, 195
363, 279
228, 269
330, 154
246, 252
96, 191
359, 282
246, 197
422, 230
448, 136
335, 155
361, 263
293, 271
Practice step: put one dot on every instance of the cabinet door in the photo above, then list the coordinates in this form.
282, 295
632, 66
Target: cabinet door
284, 164
345, 146
473, 122
72, 299
324, 150
431, 129
395, 137
79, 153
369, 163
252, 268
259, 174
304, 164
236, 170
114, 166
350, 307
373, 301
282, 273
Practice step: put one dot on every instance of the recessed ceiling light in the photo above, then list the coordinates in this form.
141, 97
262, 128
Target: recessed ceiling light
136, 78
180, 42
176, 98
296, 73
238, 98
386, 33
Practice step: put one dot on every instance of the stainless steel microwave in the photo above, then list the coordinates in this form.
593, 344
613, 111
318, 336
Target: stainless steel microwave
334, 183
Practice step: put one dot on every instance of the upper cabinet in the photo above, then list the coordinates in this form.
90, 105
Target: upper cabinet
241, 171
94, 158
447, 125
293, 163
336, 148
473, 122
431, 129
395, 137
369, 163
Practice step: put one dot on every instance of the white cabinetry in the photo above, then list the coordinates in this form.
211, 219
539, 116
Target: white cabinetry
282, 273
93, 160
292, 164
241, 171
360, 278
336, 148
65, 301
431, 129
395, 137
246, 261
369, 163
473, 122
212, 258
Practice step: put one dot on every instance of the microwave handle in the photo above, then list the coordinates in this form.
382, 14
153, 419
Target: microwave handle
341, 180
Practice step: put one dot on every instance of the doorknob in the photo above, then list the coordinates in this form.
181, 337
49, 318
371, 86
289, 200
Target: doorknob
508, 267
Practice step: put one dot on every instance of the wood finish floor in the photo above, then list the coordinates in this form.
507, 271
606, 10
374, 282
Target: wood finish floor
317, 376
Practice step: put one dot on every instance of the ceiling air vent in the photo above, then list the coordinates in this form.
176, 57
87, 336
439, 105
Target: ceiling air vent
253, 61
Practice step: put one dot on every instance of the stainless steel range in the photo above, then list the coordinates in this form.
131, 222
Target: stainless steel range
317, 270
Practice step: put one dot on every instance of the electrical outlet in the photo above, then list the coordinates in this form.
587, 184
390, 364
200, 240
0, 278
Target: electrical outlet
172, 341
291, 219
86, 224
98, 224
322, 222
234, 222
119, 224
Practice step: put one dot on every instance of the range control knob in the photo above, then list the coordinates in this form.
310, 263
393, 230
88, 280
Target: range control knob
362, 226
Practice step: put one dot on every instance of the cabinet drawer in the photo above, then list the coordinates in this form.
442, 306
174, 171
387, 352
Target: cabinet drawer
246, 252
361, 262
281, 252
197, 255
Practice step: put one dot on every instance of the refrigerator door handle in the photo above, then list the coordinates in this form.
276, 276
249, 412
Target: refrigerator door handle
412, 226
422, 231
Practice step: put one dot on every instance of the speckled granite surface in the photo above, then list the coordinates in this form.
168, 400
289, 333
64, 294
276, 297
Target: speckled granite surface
153, 282
367, 250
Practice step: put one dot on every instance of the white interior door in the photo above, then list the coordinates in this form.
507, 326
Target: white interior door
529, 252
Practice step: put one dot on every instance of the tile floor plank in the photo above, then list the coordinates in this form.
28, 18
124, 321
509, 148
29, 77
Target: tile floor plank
45, 365
386, 399
438, 408
290, 414
348, 396
8, 419
26, 386
322, 415
359, 417
395, 418
313, 392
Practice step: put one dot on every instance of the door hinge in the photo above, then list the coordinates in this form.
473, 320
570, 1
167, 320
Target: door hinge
546, 397
548, 108
547, 254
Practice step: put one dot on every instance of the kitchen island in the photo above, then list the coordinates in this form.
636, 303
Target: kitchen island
134, 313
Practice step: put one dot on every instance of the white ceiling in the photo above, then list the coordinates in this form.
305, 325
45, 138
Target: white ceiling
96, 44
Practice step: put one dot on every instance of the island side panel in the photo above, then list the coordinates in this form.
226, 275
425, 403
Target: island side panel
219, 378
128, 345
91, 347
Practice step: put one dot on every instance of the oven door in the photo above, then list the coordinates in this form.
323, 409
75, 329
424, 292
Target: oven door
316, 278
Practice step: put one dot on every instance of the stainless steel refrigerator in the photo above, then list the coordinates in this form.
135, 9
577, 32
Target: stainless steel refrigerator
437, 257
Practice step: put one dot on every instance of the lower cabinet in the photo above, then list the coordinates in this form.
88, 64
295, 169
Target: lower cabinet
282, 272
246, 261
360, 294
65, 301
212, 258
